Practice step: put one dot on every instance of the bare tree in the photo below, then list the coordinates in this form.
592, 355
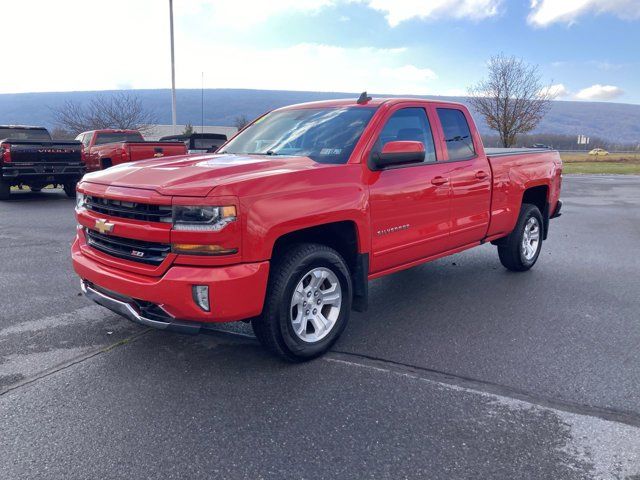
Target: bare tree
188, 130
240, 122
512, 99
121, 110
61, 134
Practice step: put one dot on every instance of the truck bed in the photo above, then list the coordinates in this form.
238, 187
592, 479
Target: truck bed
515, 170
503, 152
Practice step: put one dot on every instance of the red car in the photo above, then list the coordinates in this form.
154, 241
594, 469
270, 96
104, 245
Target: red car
105, 148
286, 225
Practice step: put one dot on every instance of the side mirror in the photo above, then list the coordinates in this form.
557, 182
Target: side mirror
400, 152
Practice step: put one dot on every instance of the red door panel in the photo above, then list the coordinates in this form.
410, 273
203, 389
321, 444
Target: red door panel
410, 215
470, 200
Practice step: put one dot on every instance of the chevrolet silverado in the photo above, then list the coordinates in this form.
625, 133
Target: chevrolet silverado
29, 156
105, 148
287, 223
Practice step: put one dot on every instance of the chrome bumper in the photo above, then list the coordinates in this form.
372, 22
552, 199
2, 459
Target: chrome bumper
130, 310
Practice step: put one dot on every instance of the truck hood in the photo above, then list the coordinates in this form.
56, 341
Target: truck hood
197, 175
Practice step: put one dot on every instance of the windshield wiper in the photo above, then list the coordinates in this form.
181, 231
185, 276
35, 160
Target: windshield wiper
271, 153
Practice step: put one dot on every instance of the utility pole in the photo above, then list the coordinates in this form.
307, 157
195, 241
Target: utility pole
173, 70
202, 105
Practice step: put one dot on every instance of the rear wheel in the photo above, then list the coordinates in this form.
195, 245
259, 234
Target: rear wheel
70, 188
308, 303
5, 190
521, 249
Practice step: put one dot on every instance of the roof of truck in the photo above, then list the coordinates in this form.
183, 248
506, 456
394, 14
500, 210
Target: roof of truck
23, 127
113, 130
374, 102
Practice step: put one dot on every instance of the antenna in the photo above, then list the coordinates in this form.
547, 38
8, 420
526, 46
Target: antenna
363, 99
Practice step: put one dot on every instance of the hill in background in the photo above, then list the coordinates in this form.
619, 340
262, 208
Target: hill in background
614, 122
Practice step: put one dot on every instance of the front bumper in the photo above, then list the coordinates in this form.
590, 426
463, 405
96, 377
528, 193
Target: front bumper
236, 291
135, 311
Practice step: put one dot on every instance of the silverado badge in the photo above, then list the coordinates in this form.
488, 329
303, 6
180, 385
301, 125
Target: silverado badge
103, 226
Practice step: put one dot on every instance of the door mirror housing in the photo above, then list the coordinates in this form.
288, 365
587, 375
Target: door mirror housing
401, 152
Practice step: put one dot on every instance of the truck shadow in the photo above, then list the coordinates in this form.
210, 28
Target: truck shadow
46, 195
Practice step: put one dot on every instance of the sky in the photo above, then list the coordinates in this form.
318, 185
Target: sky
585, 49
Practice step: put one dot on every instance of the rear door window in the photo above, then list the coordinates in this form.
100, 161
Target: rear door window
457, 135
409, 124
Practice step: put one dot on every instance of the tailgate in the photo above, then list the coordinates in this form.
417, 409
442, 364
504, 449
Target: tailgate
144, 151
44, 152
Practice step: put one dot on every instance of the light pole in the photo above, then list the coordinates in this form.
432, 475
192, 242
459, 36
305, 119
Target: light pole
173, 70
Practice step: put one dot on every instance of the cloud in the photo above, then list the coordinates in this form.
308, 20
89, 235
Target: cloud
556, 91
546, 12
599, 92
606, 66
244, 14
398, 11
317, 68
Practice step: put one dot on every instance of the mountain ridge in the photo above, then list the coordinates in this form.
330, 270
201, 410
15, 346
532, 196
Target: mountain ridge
614, 122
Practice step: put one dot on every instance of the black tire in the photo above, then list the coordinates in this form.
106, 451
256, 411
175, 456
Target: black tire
5, 190
70, 188
105, 163
510, 250
274, 327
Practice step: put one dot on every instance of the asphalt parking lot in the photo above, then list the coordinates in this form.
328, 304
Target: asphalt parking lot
460, 369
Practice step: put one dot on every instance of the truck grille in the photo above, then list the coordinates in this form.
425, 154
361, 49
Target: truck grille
132, 210
134, 250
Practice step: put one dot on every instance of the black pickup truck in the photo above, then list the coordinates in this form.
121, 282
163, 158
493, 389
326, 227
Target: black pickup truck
198, 142
28, 156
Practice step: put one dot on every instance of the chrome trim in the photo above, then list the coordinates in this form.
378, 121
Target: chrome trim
130, 311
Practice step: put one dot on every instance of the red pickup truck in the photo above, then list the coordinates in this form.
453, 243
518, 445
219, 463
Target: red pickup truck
287, 223
105, 148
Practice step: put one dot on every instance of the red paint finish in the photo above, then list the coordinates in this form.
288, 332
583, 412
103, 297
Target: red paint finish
403, 146
402, 216
99, 155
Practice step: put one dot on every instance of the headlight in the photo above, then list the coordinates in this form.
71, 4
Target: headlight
80, 201
202, 218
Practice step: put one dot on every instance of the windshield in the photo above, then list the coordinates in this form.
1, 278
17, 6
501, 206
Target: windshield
326, 135
35, 134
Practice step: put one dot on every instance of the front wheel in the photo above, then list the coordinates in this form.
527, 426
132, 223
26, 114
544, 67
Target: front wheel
308, 302
70, 188
521, 249
5, 190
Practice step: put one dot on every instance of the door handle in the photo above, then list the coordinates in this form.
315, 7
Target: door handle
439, 180
481, 175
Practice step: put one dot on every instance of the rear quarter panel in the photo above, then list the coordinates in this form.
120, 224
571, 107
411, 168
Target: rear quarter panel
512, 175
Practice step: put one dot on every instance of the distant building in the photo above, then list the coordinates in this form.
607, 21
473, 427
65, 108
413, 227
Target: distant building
158, 131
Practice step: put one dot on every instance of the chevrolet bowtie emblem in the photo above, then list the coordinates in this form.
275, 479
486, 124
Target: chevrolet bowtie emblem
103, 226
158, 155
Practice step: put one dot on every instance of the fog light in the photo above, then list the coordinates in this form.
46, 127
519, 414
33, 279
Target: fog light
201, 296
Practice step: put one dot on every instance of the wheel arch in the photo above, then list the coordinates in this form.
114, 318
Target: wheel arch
538, 195
342, 236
